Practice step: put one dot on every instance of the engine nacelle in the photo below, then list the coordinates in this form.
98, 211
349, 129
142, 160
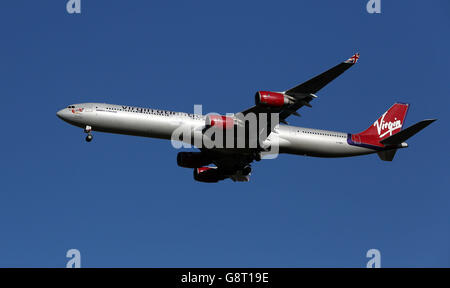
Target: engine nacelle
207, 174
274, 99
192, 159
222, 122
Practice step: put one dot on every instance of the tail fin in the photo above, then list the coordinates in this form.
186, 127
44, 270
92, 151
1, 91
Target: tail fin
388, 124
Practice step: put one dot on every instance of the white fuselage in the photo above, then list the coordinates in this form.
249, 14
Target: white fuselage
161, 124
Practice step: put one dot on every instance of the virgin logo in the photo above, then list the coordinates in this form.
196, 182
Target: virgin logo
75, 111
382, 126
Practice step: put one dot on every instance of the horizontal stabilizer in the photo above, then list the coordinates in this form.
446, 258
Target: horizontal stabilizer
404, 135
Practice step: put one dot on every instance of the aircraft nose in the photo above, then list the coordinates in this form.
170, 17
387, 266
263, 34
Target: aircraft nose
61, 114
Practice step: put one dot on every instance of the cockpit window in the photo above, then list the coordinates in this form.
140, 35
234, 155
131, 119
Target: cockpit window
70, 107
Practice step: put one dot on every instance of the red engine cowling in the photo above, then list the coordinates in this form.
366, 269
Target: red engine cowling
192, 159
273, 99
222, 122
207, 174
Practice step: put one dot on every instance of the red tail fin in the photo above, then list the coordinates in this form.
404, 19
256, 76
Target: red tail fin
388, 124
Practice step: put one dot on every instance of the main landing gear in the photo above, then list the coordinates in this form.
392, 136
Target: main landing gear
89, 137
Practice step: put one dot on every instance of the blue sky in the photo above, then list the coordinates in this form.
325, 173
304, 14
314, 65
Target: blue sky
123, 202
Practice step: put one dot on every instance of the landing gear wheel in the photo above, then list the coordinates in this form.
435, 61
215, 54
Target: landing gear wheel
246, 171
257, 156
89, 138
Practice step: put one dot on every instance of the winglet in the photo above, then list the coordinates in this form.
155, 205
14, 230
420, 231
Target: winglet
353, 59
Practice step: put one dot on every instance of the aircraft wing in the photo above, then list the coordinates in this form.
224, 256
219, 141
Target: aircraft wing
304, 93
236, 165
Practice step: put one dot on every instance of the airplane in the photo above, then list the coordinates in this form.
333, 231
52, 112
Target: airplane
219, 162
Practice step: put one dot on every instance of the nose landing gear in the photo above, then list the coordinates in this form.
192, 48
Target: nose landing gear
88, 130
247, 170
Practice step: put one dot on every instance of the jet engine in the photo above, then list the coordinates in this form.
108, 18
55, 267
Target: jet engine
192, 159
222, 122
208, 174
274, 99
